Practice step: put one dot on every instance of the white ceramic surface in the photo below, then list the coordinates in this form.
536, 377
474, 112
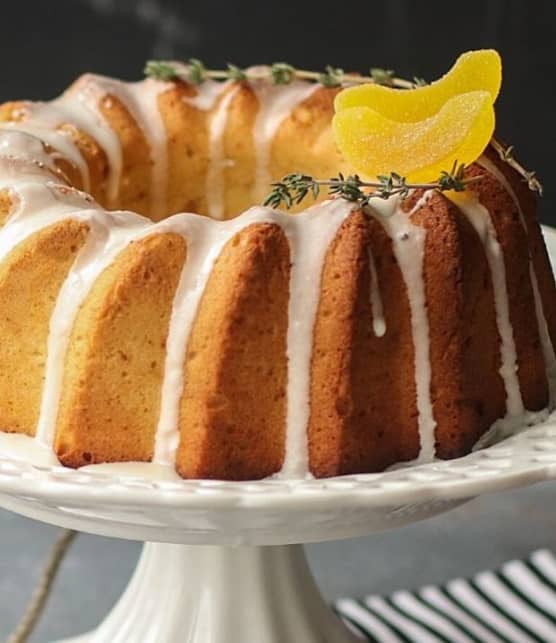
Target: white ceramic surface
253, 594
184, 594
271, 512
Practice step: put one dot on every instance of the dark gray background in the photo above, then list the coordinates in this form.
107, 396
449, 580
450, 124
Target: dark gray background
47, 44
480, 534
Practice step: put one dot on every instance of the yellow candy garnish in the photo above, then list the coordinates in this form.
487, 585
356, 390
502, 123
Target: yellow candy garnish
472, 71
420, 132
374, 144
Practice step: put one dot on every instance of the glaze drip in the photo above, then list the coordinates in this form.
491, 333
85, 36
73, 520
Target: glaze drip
379, 321
42, 202
276, 103
29, 170
480, 219
546, 343
408, 244
307, 258
217, 160
206, 238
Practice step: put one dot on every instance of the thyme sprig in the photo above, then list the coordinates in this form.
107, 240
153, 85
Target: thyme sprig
293, 188
506, 153
382, 76
195, 72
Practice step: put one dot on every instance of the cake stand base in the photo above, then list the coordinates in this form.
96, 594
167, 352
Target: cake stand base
212, 594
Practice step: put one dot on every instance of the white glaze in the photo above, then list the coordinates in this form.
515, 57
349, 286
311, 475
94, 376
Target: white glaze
408, 244
139, 470
379, 321
207, 95
206, 238
108, 236
544, 335
309, 235
276, 103
60, 141
546, 343
80, 106
77, 106
146, 112
510, 425
214, 186
24, 447
22, 154
27, 169
140, 99
42, 204
480, 219
86, 101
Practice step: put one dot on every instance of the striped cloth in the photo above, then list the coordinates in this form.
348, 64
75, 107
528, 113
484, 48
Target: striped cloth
515, 604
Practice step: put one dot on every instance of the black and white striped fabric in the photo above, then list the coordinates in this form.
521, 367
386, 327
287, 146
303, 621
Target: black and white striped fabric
516, 604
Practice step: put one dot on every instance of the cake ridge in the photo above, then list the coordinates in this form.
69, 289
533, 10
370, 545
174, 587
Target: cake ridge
307, 260
105, 227
546, 343
109, 235
207, 94
56, 140
140, 99
41, 200
188, 295
214, 180
276, 102
480, 218
408, 242
379, 321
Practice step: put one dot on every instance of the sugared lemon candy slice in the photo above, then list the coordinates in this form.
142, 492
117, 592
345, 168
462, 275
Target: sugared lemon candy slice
374, 144
473, 71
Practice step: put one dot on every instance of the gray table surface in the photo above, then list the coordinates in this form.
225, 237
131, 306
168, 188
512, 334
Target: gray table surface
482, 533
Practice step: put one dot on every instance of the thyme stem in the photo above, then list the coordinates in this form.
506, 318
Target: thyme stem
294, 188
280, 73
194, 71
507, 155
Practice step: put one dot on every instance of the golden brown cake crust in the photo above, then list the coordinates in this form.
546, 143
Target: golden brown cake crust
467, 392
187, 149
233, 409
537, 247
115, 363
30, 279
134, 190
513, 239
363, 410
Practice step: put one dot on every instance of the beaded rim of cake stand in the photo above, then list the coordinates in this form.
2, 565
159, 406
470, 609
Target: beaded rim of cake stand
523, 459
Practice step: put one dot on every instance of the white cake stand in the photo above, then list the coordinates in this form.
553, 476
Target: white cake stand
223, 562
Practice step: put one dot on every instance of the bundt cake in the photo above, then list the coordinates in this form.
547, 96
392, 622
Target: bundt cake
252, 342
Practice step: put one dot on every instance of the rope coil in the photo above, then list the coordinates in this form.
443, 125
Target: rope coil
39, 597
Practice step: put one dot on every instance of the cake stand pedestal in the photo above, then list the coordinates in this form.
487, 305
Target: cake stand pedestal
203, 594
223, 561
